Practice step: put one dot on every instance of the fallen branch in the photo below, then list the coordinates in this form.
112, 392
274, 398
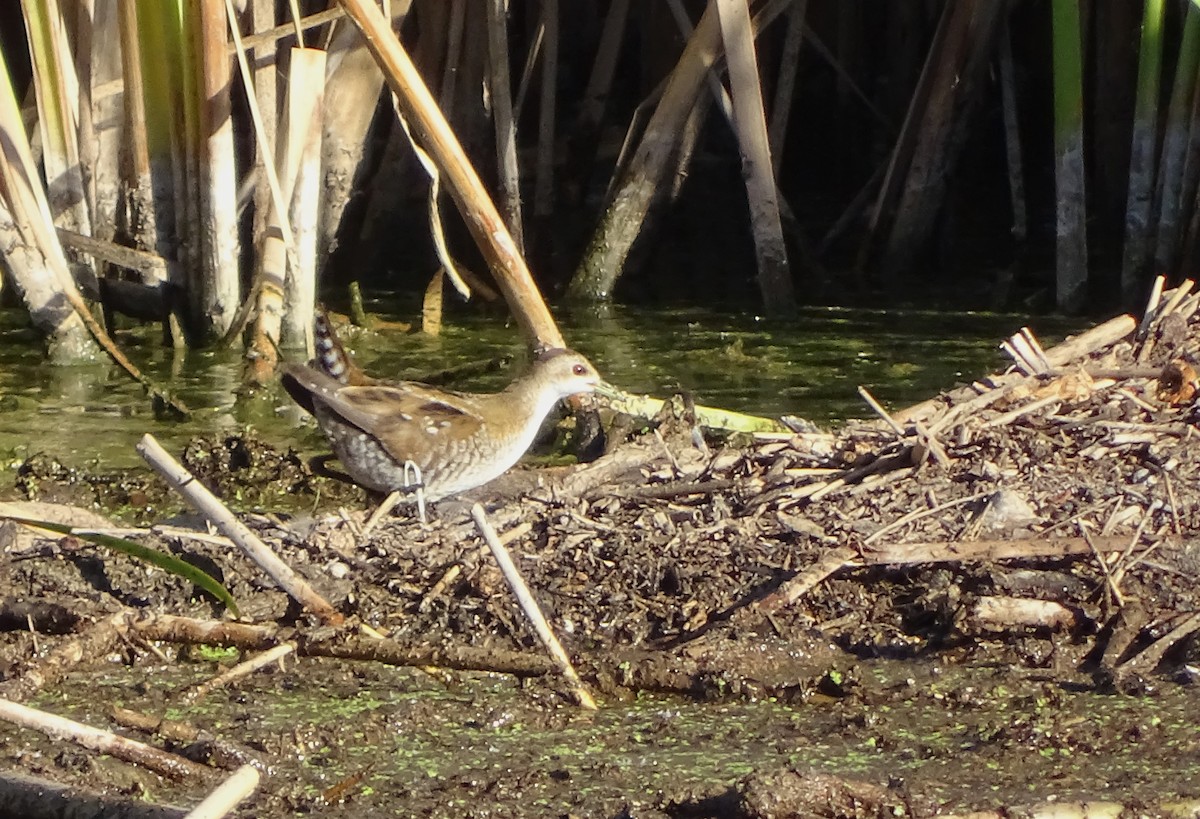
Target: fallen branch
105, 742
228, 794
898, 554
240, 670
97, 641
532, 610
172, 628
208, 505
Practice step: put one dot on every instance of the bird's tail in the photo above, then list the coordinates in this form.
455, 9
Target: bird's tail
332, 358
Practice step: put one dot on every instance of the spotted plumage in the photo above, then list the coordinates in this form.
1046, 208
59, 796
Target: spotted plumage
457, 440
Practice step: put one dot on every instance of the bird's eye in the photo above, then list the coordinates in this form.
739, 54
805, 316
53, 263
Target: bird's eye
579, 369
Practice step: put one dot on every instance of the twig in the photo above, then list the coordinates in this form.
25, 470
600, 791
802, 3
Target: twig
1012, 415
240, 784
962, 551
530, 607
922, 513
105, 742
208, 505
1109, 580
172, 628
448, 577
880, 411
932, 444
220, 753
1039, 352
798, 586
241, 670
1151, 305
1146, 660
272, 35
96, 642
1177, 297
1073, 348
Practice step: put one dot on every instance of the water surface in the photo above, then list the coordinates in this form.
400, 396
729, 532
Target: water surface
810, 365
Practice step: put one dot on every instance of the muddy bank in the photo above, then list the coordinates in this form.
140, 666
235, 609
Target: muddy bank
985, 600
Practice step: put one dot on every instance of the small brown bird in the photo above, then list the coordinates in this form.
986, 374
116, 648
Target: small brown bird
457, 440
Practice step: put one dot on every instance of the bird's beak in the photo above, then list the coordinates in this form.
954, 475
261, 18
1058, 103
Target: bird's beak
607, 390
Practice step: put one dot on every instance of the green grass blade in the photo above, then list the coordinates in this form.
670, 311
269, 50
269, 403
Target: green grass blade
162, 560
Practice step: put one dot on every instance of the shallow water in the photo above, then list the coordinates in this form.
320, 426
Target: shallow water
810, 365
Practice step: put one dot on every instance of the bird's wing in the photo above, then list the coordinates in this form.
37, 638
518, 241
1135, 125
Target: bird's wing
302, 382
404, 417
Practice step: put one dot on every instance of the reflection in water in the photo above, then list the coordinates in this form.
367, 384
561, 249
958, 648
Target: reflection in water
810, 365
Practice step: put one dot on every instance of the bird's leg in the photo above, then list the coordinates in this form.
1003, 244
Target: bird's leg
412, 482
412, 478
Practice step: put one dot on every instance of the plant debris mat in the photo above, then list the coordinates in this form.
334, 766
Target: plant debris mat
1038, 524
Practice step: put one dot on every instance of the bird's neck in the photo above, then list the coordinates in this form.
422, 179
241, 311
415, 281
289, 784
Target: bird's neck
526, 402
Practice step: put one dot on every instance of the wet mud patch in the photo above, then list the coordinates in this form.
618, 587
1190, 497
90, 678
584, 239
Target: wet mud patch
360, 740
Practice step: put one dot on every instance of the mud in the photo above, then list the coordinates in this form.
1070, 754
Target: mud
1006, 615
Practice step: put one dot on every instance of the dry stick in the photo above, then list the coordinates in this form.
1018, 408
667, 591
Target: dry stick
1177, 296
431, 128
171, 628
152, 266
105, 742
972, 405
37, 649
1151, 305
962, 551
1024, 353
281, 32
1122, 563
241, 670
1015, 355
1146, 660
1174, 505
95, 642
932, 444
922, 513
1060, 355
1109, 580
225, 754
1012, 415
1172, 304
240, 784
880, 411
801, 584
1038, 350
435, 591
530, 607
208, 505
1136, 400
1189, 306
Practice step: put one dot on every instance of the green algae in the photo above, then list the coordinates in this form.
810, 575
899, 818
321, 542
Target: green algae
956, 737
